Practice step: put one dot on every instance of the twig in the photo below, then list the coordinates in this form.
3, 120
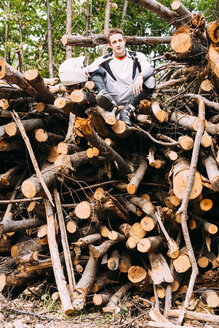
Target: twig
32, 156
42, 316
146, 133
182, 211
20, 200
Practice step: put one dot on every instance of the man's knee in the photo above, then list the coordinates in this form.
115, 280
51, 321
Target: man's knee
97, 73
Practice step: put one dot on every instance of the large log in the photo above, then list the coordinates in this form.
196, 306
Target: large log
160, 10
98, 39
10, 74
35, 79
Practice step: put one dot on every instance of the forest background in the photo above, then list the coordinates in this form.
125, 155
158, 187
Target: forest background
31, 31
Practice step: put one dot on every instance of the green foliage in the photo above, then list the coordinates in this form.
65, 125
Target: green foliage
30, 17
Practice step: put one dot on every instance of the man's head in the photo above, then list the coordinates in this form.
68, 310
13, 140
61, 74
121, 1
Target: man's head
117, 41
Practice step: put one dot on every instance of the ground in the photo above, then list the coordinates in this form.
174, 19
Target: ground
47, 314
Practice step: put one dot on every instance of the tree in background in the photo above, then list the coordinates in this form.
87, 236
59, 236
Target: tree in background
24, 31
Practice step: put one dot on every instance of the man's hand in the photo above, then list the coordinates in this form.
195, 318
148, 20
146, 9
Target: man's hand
137, 87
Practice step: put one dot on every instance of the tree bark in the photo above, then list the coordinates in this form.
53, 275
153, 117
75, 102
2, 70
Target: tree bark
49, 38
98, 39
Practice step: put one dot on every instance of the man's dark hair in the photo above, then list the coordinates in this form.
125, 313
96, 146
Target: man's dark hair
114, 31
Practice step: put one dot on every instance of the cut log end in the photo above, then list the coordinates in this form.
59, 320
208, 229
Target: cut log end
83, 210
136, 274
28, 189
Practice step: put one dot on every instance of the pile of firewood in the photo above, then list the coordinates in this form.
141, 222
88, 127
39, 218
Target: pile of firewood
112, 208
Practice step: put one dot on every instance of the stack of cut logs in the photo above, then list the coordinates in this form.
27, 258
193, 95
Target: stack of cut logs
97, 204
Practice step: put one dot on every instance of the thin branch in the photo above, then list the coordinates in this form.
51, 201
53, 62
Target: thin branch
182, 211
32, 156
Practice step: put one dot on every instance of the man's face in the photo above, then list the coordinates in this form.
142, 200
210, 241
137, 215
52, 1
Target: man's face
117, 43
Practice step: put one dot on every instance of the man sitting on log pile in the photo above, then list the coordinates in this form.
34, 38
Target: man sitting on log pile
122, 77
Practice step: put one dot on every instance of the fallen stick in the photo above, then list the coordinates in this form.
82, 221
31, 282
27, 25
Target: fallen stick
182, 211
194, 316
32, 156
65, 244
56, 262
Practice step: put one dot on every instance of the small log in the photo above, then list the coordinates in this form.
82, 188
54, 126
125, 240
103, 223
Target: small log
14, 226
212, 171
58, 88
67, 106
146, 206
112, 306
160, 114
206, 85
51, 138
48, 108
52, 154
98, 251
125, 229
24, 247
136, 179
160, 271
81, 97
206, 204
92, 152
211, 298
182, 262
206, 140
71, 226
121, 129
208, 227
125, 262
113, 261
109, 117
131, 242
87, 240
32, 186
84, 284
186, 142
156, 163
191, 122
171, 154
35, 79
83, 210
180, 176
149, 244
100, 299
137, 230
148, 223
11, 129
136, 274
65, 148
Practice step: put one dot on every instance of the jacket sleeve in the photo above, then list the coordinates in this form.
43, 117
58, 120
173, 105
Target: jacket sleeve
95, 65
146, 69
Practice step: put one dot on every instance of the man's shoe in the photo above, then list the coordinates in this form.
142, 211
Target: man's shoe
125, 114
105, 101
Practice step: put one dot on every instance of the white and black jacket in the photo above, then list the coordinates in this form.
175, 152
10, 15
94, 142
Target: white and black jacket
120, 73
